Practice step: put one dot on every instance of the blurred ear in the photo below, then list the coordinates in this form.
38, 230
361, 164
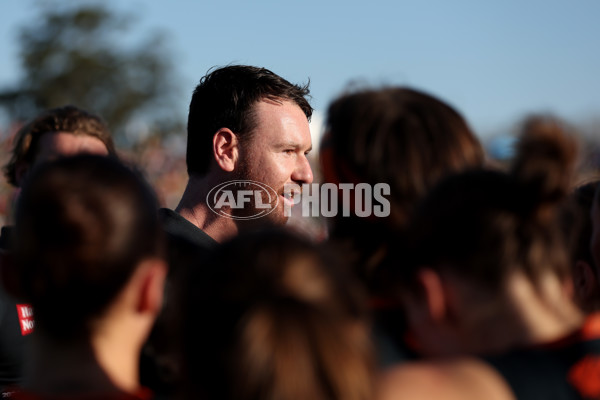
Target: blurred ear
584, 280
434, 294
429, 306
225, 149
151, 274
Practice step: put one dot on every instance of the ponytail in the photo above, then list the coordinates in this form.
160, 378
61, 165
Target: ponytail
544, 165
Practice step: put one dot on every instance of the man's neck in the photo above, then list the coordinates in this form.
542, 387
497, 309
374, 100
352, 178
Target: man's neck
527, 315
193, 207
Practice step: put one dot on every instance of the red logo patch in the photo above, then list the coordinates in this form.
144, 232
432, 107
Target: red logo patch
25, 318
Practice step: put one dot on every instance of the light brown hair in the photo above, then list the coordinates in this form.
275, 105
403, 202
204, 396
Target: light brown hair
484, 224
399, 136
68, 119
270, 317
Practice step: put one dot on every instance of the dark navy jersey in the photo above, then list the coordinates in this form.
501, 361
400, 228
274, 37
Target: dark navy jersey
568, 369
187, 248
16, 323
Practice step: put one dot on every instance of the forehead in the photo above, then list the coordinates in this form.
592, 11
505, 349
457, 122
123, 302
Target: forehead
57, 144
283, 120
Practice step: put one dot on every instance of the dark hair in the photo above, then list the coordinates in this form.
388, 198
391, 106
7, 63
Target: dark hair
270, 316
484, 224
577, 223
578, 229
399, 136
68, 119
83, 224
225, 98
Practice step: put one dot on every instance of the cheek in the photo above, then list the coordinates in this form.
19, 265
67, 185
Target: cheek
278, 170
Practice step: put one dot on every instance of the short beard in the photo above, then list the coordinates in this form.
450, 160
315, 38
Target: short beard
245, 172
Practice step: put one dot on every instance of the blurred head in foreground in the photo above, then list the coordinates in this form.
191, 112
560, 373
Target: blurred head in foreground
578, 227
89, 258
272, 317
58, 132
592, 273
489, 268
398, 136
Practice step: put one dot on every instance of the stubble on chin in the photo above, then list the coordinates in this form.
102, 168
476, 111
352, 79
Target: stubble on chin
275, 218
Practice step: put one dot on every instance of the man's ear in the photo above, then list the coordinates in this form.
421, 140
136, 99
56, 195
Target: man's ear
153, 273
226, 149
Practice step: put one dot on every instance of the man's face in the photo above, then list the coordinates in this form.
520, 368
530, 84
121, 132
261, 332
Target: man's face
53, 145
276, 152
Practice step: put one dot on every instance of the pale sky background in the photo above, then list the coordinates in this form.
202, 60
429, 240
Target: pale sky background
495, 61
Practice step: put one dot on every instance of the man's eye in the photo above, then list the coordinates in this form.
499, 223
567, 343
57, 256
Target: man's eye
289, 151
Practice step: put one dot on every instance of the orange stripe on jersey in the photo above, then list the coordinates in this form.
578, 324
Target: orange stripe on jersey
591, 327
585, 377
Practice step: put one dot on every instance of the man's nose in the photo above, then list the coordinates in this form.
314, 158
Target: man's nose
303, 172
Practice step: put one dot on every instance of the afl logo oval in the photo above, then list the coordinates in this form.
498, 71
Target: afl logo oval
257, 199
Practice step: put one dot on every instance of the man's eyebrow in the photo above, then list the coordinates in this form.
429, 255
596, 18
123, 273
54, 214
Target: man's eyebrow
293, 145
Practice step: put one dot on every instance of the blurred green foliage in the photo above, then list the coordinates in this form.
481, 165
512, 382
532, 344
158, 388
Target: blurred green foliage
85, 55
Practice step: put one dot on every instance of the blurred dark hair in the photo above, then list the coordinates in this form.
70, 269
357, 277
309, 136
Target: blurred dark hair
577, 224
399, 136
69, 119
578, 229
483, 225
271, 316
225, 98
83, 224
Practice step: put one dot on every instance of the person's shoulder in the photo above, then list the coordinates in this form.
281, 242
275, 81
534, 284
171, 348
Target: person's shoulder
465, 378
167, 216
179, 229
